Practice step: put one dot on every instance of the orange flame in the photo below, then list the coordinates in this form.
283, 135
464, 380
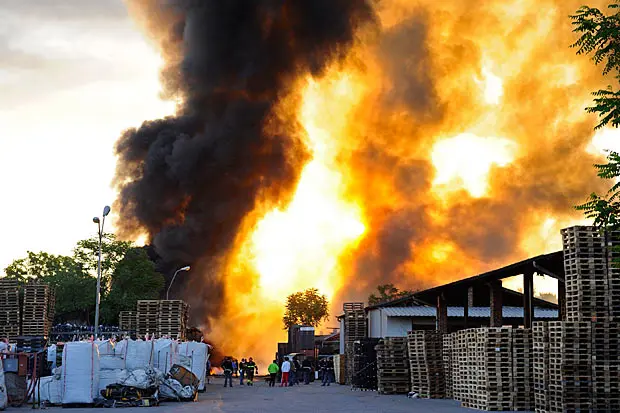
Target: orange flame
460, 124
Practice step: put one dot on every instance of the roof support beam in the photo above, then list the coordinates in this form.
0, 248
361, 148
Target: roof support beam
495, 288
528, 296
442, 314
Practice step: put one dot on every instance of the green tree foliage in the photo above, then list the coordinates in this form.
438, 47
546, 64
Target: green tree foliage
386, 292
112, 252
308, 308
134, 278
600, 37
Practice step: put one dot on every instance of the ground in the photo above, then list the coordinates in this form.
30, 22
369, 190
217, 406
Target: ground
299, 399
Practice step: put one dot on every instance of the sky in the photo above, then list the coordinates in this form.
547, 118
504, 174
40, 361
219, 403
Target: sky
73, 75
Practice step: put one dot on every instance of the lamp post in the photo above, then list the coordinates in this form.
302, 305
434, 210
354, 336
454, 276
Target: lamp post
100, 223
187, 268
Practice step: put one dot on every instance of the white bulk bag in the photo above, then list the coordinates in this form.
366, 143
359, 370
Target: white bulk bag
164, 351
51, 355
138, 354
3, 396
120, 348
105, 347
198, 353
107, 377
80, 374
111, 363
51, 390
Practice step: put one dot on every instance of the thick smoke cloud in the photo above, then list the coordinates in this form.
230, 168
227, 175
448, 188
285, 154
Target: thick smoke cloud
188, 180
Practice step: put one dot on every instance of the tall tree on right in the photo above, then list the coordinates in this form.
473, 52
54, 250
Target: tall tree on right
600, 38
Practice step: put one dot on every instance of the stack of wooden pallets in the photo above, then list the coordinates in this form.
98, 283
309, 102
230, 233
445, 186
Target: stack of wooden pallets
393, 366
147, 317
36, 309
9, 308
173, 318
522, 369
127, 320
489, 352
570, 366
605, 366
448, 344
586, 271
426, 364
459, 365
354, 329
540, 334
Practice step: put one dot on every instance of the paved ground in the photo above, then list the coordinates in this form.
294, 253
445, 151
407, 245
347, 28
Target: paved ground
299, 399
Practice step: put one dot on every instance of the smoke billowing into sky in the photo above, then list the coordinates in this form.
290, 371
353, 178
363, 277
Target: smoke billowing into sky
189, 180
343, 144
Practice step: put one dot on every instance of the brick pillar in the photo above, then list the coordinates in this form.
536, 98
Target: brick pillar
442, 314
528, 296
495, 288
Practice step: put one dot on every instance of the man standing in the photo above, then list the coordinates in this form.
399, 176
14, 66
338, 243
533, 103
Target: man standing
227, 367
242, 366
273, 371
235, 366
292, 377
307, 369
324, 373
330, 370
286, 368
251, 367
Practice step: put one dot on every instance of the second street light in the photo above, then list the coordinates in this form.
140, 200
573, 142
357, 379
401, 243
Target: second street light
100, 223
187, 268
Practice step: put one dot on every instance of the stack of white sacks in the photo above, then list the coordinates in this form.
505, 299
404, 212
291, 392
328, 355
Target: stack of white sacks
89, 367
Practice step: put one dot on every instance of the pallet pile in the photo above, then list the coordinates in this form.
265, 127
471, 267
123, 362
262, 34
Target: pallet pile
9, 309
147, 317
173, 318
393, 366
354, 329
127, 320
570, 366
36, 320
522, 369
426, 364
365, 364
540, 334
447, 354
583, 358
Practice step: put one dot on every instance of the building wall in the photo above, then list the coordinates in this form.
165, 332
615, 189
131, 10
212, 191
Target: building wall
398, 326
375, 323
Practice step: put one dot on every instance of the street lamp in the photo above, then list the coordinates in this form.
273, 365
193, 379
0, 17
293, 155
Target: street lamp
187, 268
100, 223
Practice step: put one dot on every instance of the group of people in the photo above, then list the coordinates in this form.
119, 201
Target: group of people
292, 372
246, 370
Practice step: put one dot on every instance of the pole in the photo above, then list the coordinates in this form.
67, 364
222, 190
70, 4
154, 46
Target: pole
98, 280
173, 277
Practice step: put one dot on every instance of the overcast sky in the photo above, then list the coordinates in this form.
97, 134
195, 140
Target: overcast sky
73, 75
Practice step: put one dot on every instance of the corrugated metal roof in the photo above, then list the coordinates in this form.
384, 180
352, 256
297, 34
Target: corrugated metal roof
474, 312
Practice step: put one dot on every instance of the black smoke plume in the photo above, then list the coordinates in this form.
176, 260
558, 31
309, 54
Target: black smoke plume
189, 180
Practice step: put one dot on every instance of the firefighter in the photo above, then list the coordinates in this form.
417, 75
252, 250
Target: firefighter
250, 369
242, 366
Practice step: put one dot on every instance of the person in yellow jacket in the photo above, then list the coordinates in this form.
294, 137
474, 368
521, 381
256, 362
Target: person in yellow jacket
273, 372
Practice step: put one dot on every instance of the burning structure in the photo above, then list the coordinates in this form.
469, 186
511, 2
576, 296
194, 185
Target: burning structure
339, 144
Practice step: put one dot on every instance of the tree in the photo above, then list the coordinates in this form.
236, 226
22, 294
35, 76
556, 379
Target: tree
387, 292
308, 308
600, 36
113, 251
134, 278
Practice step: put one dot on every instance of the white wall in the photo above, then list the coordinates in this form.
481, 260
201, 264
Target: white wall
374, 323
398, 326
342, 336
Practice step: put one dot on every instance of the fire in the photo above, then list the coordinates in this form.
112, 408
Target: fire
465, 161
451, 142
299, 247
